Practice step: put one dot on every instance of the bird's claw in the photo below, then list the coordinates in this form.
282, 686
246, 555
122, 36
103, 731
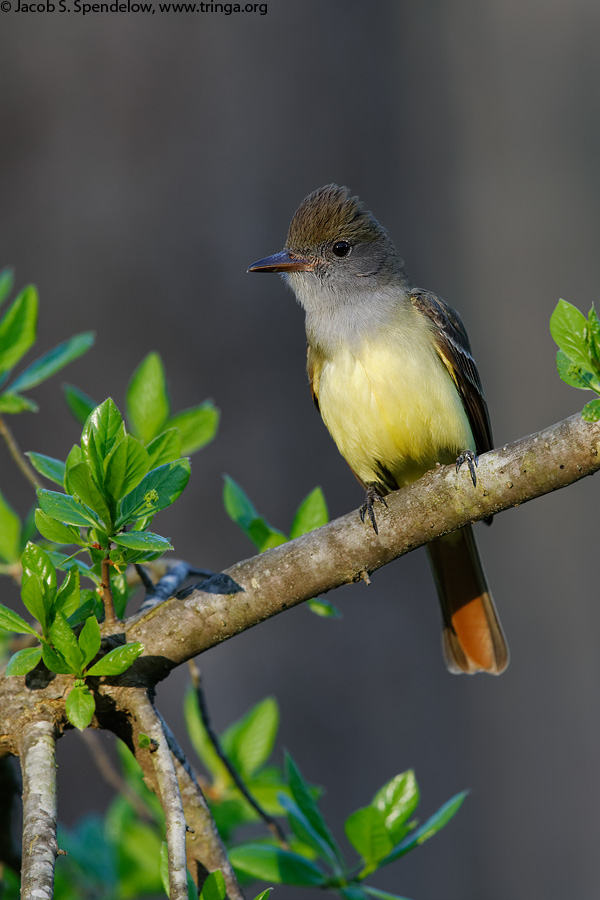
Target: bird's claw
472, 461
367, 507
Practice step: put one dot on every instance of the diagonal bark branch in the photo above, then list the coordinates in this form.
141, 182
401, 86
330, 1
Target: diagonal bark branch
38, 765
346, 549
170, 796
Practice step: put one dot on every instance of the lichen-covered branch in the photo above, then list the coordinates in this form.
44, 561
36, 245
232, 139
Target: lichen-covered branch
347, 548
38, 765
170, 796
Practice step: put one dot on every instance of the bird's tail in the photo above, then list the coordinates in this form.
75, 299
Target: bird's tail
472, 637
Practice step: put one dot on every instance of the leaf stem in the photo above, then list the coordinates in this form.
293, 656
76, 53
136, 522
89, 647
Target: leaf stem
107, 597
17, 454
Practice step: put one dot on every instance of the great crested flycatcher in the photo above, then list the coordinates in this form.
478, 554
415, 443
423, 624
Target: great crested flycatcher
392, 374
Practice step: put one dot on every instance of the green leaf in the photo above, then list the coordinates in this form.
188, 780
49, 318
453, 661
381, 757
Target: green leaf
200, 739
89, 640
592, 337
12, 621
15, 403
66, 509
81, 483
568, 327
165, 448
103, 430
17, 328
264, 894
249, 742
354, 892
239, 507
591, 411
143, 540
381, 895
55, 661
10, 533
36, 562
65, 642
396, 801
157, 490
428, 829
80, 706
69, 594
214, 887
23, 661
50, 468
56, 531
271, 863
304, 830
33, 599
303, 797
126, 466
366, 831
147, 401
312, 513
79, 403
52, 361
324, 608
576, 376
6, 283
90, 605
118, 660
144, 741
197, 426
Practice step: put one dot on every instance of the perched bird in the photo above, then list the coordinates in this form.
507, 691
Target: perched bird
392, 374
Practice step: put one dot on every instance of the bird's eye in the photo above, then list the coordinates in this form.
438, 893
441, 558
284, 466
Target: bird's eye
342, 248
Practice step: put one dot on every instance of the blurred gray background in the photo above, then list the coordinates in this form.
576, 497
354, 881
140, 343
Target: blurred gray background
145, 162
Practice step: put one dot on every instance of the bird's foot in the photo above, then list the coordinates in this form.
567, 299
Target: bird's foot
367, 507
472, 461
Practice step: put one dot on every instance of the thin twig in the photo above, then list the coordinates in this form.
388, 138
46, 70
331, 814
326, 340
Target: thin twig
271, 823
110, 774
107, 597
206, 851
38, 765
18, 455
170, 795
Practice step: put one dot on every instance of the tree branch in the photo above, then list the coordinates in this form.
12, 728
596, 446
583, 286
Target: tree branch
346, 549
170, 796
205, 849
38, 765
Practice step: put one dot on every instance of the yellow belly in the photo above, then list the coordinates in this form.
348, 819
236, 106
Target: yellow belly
391, 403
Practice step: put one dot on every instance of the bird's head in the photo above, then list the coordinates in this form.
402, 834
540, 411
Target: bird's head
334, 247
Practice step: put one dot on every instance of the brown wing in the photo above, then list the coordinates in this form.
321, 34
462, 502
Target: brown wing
454, 349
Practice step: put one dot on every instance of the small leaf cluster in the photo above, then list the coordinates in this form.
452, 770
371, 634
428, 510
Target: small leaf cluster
381, 832
578, 359
112, 482
311, 513
58, 609
18, 331
165, 435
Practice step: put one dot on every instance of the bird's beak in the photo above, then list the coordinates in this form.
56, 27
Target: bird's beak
282, 262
